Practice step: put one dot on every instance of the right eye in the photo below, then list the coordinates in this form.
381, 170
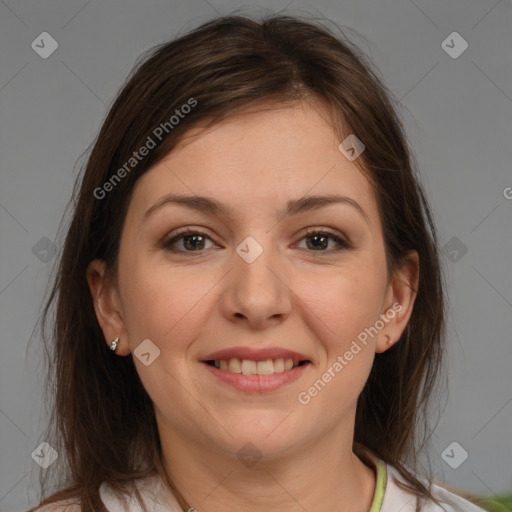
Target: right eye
193, 240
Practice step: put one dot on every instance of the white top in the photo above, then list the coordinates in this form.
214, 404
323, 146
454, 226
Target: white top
396, 499
160, 499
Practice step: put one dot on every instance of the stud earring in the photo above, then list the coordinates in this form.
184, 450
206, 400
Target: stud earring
389, 341
113, 344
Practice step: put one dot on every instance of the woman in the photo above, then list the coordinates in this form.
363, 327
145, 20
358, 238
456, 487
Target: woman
249, 304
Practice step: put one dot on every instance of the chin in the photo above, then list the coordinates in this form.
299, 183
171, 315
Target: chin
269, 436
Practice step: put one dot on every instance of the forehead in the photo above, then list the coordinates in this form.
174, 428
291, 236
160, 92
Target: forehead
257, 159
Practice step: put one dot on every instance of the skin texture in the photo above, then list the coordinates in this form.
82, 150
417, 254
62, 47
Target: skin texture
294, 295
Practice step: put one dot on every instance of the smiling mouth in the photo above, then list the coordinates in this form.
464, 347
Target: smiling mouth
250, 367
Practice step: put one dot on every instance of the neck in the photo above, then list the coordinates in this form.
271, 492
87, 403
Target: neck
209, 479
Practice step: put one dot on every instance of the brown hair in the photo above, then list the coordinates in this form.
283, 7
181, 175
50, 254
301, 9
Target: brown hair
103, 423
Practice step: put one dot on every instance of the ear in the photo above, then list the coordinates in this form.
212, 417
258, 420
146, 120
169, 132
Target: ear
107, 306
399, 302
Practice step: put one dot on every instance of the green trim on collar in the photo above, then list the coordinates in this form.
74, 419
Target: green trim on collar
380, 487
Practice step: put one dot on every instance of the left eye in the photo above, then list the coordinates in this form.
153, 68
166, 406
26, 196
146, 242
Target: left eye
194, 240
321, 238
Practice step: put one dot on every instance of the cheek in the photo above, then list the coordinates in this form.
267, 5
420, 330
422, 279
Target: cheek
339, 315
163, 304
167, 307
341, 306
344, 303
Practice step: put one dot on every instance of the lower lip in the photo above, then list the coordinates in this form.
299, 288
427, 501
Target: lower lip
258, 383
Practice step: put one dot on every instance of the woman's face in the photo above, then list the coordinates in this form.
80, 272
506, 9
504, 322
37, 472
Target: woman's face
254, 279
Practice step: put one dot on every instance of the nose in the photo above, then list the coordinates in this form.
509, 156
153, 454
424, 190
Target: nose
257, 291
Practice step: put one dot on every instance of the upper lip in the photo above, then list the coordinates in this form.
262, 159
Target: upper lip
255, 354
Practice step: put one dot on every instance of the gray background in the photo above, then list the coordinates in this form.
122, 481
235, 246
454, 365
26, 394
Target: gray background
457, 112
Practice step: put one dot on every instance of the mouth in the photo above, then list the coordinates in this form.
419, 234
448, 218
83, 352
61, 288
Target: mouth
252, 367
256, 377
256, 369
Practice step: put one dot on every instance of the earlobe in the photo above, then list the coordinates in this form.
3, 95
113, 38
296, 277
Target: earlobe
389, 341
105, 301
399, 304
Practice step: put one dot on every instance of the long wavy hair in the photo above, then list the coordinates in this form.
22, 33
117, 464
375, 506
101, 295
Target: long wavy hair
102, 420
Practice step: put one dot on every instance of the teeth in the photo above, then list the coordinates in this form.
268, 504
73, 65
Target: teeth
248, 367
279, 365
265, 367
235, 366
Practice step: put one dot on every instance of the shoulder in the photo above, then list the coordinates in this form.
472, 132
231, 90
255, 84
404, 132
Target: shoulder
454, 502
396, 498
154, 493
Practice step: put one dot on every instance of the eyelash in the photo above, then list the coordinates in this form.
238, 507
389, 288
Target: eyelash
342, 244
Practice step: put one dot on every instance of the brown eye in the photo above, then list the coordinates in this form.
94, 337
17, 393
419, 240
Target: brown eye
320, 241
193, 241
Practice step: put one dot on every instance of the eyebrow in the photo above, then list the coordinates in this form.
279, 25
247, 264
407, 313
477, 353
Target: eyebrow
211, 206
